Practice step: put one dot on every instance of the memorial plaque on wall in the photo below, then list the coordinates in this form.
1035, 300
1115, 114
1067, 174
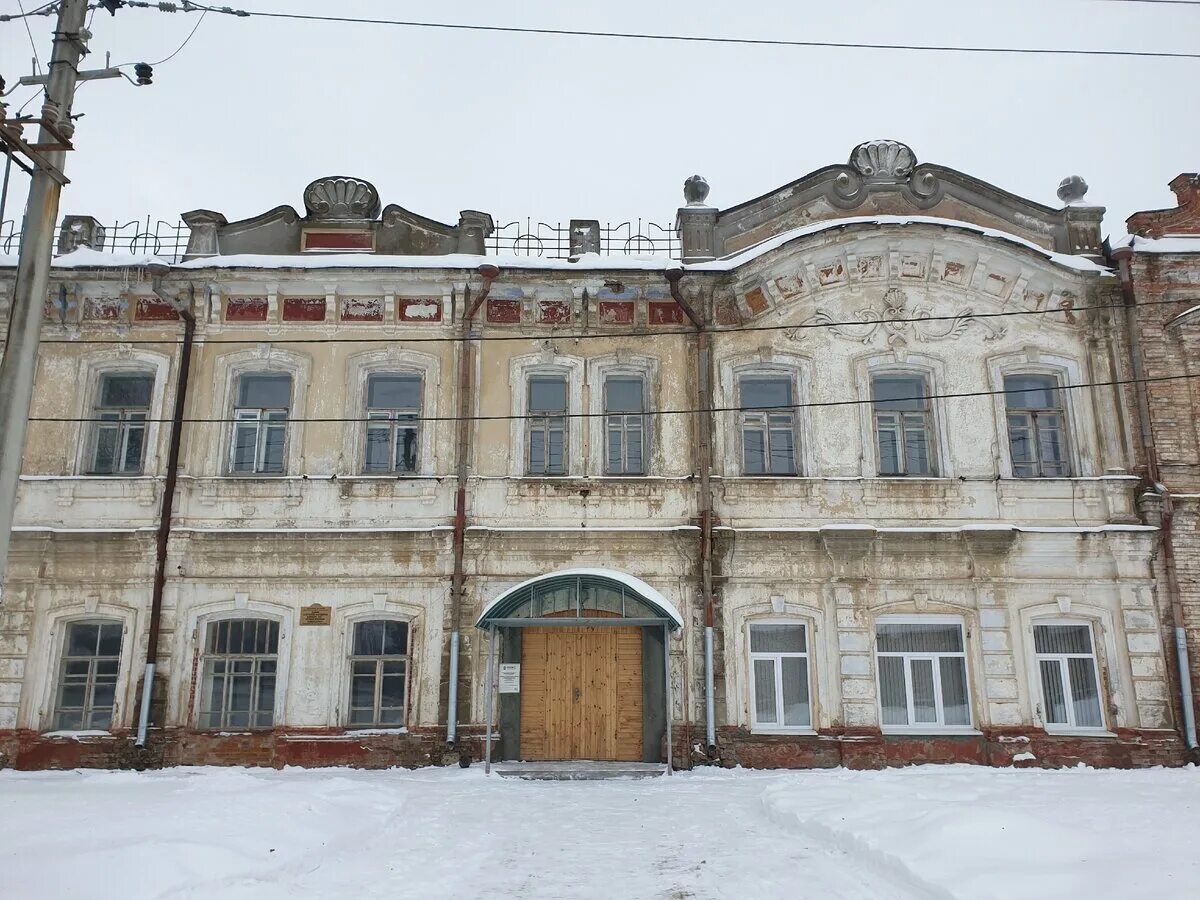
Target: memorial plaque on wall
316, 614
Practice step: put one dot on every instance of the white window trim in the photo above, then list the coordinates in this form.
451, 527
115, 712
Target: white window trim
934, 372
727, 437
601, 368
341, 706
756, 728
392, 360
109, 362
52, 652
199, 631
1061, 727
267, 360
521, 369
1112, 679
1081, 453
925, 727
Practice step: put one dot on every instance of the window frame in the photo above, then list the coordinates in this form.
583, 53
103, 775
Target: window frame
624, 427
542, 423
351, 657
204, 657
727, 435
261, 417
59, 674
776, 657
1081, 424
123, 424
93, 368
1061, 410
940, 727
1064, 673
394, 420
264, 359
929, 424
766, 426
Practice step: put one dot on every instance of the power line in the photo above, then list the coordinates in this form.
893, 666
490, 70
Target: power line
608, 335
25, 21
1163, 2
814, 404
678, 38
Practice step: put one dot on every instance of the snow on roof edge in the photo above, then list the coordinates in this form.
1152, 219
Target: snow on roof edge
1171, 243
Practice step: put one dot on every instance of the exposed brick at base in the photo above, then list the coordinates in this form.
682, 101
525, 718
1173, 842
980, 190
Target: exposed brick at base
177, 747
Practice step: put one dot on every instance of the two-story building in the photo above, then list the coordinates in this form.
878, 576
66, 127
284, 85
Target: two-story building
853, 481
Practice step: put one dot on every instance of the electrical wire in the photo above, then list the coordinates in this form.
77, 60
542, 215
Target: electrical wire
43, 10
581, 336
25, 20
649, 36
813, 404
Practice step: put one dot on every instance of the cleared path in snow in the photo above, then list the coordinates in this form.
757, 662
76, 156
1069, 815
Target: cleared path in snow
208, 833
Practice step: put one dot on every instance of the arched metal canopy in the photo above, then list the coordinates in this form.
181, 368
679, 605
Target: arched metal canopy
556, 594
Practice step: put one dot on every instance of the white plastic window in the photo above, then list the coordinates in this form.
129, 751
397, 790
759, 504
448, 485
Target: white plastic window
1070, 679
922, 675
779, 676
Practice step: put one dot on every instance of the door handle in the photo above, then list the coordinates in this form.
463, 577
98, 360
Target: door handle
577, 695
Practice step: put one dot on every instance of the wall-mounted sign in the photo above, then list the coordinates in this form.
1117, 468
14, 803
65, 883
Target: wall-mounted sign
510, 678
316, 614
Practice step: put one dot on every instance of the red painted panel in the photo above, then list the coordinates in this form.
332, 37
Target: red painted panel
665, 312
246, 309
505, 312
616, 312
339, 240
154, 309
362, 309
304, 309
554, 312
420, 309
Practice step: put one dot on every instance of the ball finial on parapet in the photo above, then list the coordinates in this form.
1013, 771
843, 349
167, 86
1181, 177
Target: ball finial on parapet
695, 190
1072, 189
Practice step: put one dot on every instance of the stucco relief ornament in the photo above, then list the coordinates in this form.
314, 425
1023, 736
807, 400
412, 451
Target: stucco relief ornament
898, 322
883, 160
339, 197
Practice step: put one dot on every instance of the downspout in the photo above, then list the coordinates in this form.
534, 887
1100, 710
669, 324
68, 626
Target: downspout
168, 499
704, 402
462, 455
1167, 520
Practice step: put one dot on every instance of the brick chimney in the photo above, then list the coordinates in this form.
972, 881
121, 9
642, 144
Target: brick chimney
1183, 219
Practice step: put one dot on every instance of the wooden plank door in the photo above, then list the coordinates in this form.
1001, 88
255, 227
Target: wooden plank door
581, 693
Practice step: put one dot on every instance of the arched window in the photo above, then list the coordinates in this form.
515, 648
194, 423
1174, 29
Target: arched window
241, 661
378, 673
87, 679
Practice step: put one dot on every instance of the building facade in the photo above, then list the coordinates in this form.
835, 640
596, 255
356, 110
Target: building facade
856, 481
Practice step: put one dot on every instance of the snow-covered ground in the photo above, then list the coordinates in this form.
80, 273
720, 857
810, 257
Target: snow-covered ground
933, 832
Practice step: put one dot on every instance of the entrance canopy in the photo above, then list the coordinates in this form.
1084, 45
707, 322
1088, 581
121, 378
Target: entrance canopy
596, 594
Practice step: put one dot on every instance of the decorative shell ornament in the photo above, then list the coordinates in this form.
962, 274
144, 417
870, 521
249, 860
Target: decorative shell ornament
340, 197
883, 160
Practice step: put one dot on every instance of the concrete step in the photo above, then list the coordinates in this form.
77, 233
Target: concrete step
577, 770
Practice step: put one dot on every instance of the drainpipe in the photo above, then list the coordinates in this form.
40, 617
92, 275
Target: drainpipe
489, 274
704, 454
168, 496
1167, 522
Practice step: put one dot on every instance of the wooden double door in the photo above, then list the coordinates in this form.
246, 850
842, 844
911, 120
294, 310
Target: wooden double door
581, 693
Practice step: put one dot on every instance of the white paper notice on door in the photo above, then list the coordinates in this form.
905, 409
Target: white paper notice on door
510, 678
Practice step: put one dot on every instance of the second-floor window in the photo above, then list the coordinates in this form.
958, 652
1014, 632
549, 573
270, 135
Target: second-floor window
119, 434
1037, 426
624, 424
768, 426
393, 423
902, 424
546, 426
260, 424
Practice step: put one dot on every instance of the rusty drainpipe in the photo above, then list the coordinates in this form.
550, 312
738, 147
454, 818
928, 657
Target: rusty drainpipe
462, 454
704, 454
168, 497
1167, 521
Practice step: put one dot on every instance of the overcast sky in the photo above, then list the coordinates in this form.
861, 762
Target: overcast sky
552, 127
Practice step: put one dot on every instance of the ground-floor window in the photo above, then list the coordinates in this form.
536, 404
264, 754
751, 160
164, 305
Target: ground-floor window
378, 673
779, 675
241, 659
1066, 660
922, 673
87, 681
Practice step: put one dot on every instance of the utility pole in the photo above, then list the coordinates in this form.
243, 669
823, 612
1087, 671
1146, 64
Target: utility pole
33, 267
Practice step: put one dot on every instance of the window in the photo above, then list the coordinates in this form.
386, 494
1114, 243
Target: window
624, 405
902, 424
260, 424
240, 663
119, 435
922, 674
378, 673
779, 676
87, 682
768, 425
393, 423
546, 426
1037, 429
1070, 680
